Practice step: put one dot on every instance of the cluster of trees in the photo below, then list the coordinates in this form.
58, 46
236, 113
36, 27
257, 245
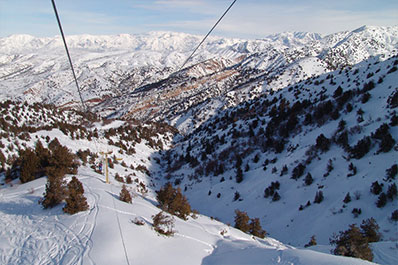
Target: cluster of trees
41, 161
75, 200
55, 162
354, 242
254, 227
173, 201
271, 191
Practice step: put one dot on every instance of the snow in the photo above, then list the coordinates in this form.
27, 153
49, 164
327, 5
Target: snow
105, 233
32, 235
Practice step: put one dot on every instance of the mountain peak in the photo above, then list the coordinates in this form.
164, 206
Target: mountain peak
360, 29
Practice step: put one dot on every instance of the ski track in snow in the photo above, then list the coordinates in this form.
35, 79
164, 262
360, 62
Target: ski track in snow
36, 238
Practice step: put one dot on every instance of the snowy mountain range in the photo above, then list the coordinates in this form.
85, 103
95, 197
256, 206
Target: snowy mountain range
263, 126
118, 74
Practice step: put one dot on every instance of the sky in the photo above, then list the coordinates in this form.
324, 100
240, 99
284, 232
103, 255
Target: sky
247, 19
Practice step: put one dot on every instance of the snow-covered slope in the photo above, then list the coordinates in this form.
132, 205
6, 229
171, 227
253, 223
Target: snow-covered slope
105, 234
109, 231
119, 74
270, 138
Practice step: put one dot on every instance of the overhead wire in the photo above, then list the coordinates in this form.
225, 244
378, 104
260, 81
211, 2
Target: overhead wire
67, 53
207, 35
85, 109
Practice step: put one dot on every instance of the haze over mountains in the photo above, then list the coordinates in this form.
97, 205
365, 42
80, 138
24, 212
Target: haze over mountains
293, 114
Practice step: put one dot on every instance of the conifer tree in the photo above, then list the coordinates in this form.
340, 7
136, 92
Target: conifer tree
308, 179
370, 229
2, 160
352, 243
29, 165
173, 201
318, 197
55, 188
75, 202
312, 242
125, 195
382, 200
239, 175
43, 154
392, 192
242, 221
347, 198
256, 229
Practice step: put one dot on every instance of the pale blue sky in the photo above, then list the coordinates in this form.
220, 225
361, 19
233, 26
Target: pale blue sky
247, 19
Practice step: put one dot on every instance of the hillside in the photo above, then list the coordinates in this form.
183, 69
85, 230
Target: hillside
334, 133
112, 231
297, 129
133, 75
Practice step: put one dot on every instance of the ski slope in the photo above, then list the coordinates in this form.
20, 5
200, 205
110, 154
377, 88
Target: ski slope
31, 235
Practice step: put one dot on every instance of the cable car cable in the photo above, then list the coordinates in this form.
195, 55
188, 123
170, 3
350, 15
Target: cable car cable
215, 25
67, 52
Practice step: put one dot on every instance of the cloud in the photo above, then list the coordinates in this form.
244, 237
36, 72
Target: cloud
247, 19
256, 20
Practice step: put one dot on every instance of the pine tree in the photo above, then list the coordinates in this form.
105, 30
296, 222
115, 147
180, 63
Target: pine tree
256, 229
312, 242
29, 165
352, 243
308, 179
322, 143
392, 192
318, 197
55, 188
382, 200
394, 216
276, 197
376, 188
2, 160
239, 175
180, 205
173, 201
43, 154
125, 195
352, 169
236, 196
347, 198
370, 229
242, 221
75, 202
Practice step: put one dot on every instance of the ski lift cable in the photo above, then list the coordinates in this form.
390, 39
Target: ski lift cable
203, 40
67, 53
84, 108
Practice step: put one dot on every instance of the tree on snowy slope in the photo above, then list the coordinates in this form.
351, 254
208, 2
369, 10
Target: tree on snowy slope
254, 228
354, 242
29, 165
125, 195
75, 202
370, 229
173, 201
55, 188
60, 162
61, 158
242, 221
2, 161
163, 224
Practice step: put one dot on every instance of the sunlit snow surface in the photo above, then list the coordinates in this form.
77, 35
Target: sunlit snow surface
31, 235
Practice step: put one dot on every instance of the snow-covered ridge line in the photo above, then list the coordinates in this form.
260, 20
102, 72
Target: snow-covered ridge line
110, 68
